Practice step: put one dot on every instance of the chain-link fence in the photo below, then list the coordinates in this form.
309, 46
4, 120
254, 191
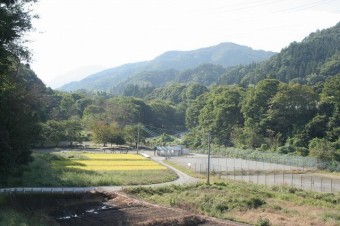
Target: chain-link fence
259, 172
272, 157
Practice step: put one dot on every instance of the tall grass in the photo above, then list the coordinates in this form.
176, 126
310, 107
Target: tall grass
235, 200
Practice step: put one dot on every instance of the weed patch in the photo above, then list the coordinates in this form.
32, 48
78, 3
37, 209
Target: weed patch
249, 203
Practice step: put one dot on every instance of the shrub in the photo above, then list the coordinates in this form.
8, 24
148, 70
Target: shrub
263, 222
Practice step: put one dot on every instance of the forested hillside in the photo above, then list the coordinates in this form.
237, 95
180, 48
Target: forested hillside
225, 54
309, 61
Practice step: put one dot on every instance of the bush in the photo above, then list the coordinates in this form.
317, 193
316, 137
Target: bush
285, 149
263, 222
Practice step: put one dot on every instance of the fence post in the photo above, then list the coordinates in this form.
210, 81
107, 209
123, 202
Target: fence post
311, 183
248, 176
332, 185
292, 180
234, 172
321, 185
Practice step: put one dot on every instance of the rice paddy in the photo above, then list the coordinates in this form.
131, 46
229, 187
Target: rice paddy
106, 156
110, 162
75, 168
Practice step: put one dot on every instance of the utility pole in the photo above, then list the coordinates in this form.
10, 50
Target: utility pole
208, 180
138, 139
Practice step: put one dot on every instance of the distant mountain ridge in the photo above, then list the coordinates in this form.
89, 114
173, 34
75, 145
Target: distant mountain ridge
224, 54
74, 75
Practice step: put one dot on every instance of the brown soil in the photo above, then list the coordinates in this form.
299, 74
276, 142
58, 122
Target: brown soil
105, 208
121, 209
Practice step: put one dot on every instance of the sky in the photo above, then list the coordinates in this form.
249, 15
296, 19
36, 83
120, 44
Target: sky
72, 34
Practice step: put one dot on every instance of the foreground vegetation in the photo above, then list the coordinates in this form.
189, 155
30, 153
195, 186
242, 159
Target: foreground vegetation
244, 202
11, 217
84, 169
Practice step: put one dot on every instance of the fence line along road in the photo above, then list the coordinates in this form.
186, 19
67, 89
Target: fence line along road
260, 172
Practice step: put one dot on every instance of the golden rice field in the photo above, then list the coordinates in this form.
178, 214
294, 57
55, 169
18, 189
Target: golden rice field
113, 162
119, 167
113, 156
75, 168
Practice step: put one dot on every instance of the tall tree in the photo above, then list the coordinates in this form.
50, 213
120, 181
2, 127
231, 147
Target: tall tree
291, 108
20, 89
221, 113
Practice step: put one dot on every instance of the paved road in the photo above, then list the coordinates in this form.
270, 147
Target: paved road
182, 179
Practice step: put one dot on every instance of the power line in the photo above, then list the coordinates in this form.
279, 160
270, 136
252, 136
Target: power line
306, 6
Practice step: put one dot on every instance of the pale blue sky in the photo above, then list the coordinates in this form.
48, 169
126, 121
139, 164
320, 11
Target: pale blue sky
75, 33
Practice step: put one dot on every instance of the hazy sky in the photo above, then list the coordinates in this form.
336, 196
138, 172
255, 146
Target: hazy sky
75, 33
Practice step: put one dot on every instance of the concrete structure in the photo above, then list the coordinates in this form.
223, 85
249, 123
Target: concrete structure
170, 151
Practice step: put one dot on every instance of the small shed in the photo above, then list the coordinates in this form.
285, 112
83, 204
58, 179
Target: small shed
169, 151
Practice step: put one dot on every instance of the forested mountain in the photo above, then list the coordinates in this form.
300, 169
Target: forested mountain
205, 74
308, 62
315, 58
225, 54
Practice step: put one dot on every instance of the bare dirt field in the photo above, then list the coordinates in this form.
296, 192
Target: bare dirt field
107, 208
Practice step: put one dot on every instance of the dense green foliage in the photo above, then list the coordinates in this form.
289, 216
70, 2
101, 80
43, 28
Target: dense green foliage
287, 118
23, 97
307, 62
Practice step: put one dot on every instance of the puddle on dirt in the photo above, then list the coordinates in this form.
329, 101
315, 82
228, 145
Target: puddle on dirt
79, 214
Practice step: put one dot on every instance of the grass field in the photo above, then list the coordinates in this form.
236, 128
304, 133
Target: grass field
249, 203
91, 169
